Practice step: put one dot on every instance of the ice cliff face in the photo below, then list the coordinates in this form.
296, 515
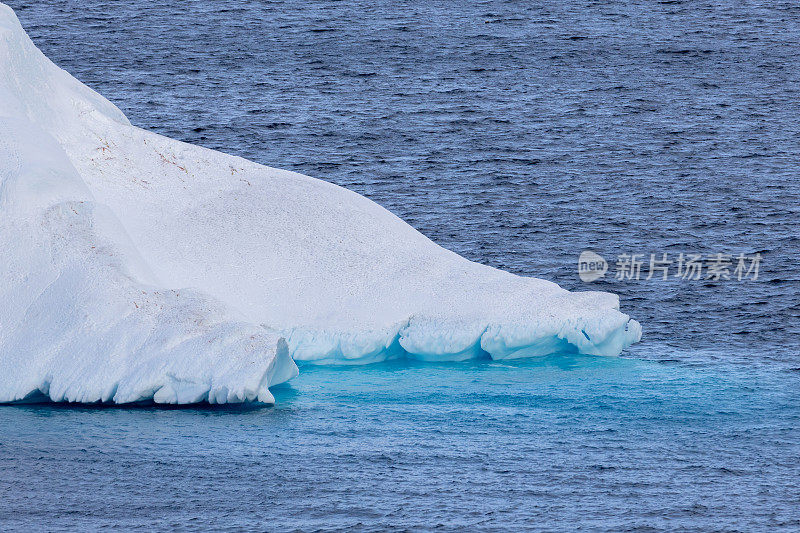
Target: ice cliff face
141, 268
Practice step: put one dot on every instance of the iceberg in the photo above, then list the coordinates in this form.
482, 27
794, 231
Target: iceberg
137, 268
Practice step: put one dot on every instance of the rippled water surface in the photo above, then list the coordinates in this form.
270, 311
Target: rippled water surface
517, 134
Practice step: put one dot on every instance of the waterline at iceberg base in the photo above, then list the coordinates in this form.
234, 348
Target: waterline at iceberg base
140, 268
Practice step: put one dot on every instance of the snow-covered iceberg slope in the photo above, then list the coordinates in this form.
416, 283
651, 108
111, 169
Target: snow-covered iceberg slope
137, 267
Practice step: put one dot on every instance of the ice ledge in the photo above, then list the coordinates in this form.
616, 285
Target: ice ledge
431, 340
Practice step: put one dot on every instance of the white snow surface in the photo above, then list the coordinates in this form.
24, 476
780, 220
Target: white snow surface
140, 268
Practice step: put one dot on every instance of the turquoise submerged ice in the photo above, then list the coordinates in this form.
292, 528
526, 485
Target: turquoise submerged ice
555, 443
142, 268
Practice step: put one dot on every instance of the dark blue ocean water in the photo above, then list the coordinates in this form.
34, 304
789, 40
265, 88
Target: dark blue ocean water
517, 134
